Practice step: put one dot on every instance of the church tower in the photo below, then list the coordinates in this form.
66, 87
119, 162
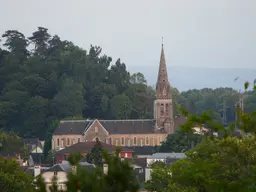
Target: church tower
163, 106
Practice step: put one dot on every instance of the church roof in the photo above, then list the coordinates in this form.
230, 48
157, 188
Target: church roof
128, 126
74, 127
136, 126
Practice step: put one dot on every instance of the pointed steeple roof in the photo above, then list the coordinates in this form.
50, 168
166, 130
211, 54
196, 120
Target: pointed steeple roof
162, 72
163, 90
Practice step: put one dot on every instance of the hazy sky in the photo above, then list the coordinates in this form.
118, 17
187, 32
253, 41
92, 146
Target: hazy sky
211, 33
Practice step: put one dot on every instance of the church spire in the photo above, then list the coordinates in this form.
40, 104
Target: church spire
162, 85
163, 108
162, 72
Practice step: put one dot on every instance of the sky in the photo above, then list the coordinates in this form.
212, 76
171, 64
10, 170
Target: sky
196, 33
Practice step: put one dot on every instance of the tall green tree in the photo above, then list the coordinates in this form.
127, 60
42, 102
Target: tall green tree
13, 178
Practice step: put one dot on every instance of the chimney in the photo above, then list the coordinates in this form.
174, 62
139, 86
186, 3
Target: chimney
37, 170
74, 170
105, 169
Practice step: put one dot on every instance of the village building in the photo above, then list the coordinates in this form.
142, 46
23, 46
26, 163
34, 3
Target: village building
85, 147
127, 132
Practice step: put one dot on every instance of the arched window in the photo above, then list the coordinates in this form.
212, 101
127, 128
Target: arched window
162, 110
96, 138
164, 91
122, 141
134, 141
167, 109
110, 140
68, 141
62, 142
147, 141
58, 142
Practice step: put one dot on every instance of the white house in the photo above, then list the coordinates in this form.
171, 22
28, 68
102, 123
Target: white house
167, 158
60, 171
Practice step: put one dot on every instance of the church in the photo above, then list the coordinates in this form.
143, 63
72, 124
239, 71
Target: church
126, 132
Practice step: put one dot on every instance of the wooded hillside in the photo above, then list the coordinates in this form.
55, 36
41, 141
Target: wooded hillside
57, 80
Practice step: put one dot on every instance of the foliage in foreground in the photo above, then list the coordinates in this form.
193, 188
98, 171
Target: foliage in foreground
120, 176
12, 178
217, 164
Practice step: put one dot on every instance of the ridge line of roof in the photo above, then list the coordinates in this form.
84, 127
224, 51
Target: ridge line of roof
89, 120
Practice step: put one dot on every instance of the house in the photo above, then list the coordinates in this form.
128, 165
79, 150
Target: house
35, 149
167, 158
163, 157
61, 171
85, 147
126, 132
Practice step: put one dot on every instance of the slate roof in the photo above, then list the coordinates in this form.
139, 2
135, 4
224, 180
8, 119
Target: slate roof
72, 127
66, 167
142, 150
85, 147
140, 126
167, 155
130, 126
32, 143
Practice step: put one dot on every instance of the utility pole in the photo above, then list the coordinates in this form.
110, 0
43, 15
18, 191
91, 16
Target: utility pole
224, 113
239, 106
224, 117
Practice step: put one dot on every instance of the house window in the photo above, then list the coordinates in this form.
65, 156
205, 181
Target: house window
122, 141
126, 155
147, 141
55, 173
58, 142
110, 140
68, 141
134, 141
96, 129
162, 110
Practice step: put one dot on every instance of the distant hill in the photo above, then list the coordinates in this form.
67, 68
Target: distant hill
185, 78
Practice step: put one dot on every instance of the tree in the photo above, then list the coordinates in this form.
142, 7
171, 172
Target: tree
226, 164
40, 39
12, 144
95, 156
13, 178
16, 43
120, 107
180, 142
138, 78
119, 178
160, 179
216, 164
